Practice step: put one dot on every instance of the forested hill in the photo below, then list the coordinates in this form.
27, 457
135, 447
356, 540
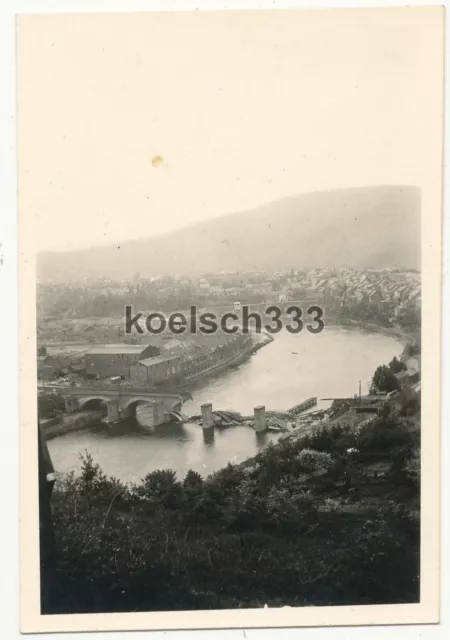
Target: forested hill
371, 227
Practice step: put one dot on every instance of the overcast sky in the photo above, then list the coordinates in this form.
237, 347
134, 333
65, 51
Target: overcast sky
135, 125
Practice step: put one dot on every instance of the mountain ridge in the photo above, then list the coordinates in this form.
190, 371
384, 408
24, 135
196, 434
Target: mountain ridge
359, 227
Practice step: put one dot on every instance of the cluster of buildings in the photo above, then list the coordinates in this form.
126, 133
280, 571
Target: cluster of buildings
145, 364
373, 286
348, 286
102, 350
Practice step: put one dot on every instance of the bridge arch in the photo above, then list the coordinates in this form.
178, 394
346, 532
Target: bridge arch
132, 404
95, 402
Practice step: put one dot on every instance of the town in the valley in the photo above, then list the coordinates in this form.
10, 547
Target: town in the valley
298, 454
88, 364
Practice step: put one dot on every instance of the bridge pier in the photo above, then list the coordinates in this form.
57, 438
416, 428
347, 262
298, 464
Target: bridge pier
207, 417
158, 413
113, 410
260, 419
70, 404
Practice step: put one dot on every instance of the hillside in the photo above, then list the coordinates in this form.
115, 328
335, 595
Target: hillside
362, 227
332, 517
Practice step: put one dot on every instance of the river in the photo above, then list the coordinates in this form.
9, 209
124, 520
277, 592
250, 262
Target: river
280, 375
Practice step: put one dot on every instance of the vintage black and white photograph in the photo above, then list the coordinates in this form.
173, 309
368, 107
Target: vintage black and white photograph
227, 272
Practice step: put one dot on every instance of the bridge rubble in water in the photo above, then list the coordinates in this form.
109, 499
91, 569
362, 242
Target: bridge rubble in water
164, 407
262, 420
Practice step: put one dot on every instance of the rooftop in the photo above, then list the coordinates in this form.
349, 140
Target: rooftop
149, 362
117, 348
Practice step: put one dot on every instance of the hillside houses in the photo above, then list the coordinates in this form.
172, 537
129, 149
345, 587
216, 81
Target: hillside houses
374, 287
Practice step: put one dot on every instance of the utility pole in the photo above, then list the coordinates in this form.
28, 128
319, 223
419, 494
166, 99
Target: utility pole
360, 392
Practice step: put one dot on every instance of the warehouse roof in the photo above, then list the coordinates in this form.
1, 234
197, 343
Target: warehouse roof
149, 362
99, 349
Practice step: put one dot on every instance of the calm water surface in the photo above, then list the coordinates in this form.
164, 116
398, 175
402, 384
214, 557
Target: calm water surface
280, 375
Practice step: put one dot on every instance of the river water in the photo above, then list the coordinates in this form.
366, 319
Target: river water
280, 375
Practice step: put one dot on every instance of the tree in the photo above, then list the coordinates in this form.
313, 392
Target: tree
192, 480
384, 379
94, 483
227, 480
215, 552
49, 405
397, 365
162, 487
384, 435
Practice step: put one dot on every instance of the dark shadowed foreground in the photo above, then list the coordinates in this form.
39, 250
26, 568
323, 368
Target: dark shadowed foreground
329, 519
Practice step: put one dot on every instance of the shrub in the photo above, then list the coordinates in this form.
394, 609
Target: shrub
227, 480
225, 542
289, 512
314, 462
410, 406
412, 467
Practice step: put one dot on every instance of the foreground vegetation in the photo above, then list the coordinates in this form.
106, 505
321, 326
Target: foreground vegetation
332, 518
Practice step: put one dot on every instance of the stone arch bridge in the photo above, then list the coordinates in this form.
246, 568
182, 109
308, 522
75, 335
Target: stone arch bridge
120, 403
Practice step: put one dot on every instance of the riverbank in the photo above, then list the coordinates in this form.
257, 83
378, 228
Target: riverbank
66, 423
258, 342
394, 332
262, 339
292, 368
